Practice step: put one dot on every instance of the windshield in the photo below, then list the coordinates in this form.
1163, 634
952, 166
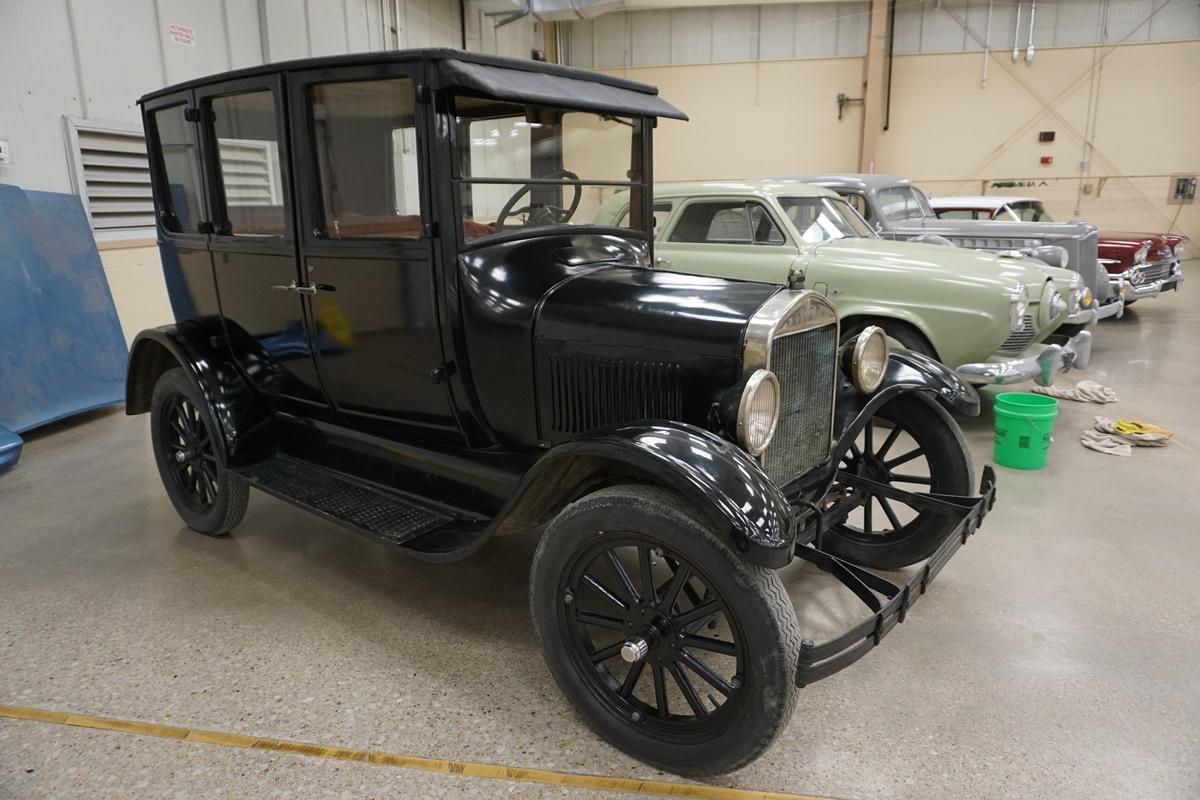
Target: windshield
1028, 211
903, 202
531, 166
823, 219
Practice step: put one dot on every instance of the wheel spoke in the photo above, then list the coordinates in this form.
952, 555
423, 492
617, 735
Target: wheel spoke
704, 671
904, 459
889, 441
660, 691
605, 653
631, 679
688, 690
700, 612
896, 477
855, 451
604, 592
709, 644
867, 514
649, 592
682, 573
868, 437
619, 569
600, 621
891, 514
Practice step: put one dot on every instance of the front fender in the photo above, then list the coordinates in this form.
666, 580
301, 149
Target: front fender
243, 415
907, 372
714, 477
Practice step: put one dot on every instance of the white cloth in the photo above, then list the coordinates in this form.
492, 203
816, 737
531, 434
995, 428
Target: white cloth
1151, 438
1093, 439
1082, 392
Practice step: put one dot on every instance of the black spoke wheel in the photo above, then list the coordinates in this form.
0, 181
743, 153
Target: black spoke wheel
670, 645
209, 498
912, 445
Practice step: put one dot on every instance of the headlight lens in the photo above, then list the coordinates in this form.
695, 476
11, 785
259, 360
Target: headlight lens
758, 412
1179, 248
869, 359
1086, 300
1075, 296
1018, 307
1143, 251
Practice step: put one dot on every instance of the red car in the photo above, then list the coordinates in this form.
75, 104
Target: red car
1144, 264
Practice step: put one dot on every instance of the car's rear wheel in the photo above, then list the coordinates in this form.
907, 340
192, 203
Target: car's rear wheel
911, 445
208, 497
670, 646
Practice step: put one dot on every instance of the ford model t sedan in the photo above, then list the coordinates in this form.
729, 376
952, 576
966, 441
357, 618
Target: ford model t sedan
391, 312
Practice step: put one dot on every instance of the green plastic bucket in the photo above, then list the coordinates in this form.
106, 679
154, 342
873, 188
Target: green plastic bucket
1024, 425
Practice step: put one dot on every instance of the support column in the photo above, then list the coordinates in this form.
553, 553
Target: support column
875, 79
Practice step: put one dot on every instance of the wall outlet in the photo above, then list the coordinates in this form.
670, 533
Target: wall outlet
5, 153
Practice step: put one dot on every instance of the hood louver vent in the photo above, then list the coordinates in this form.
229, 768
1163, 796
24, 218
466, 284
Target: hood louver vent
587, 392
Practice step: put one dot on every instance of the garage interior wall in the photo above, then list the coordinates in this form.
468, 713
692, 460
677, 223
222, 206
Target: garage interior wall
89, 60
760, 83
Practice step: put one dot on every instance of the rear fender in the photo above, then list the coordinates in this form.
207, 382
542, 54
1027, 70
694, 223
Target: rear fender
907, 373
242, 414
716, 478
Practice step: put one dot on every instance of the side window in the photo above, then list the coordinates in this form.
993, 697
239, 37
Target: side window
364, 134
957, 213
180, 169
248, 153
860, 204
662, 211
726, 222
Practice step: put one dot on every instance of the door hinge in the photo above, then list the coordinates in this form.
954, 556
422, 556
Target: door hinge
204, 227
440, 374
191, 114
430, 230
424, 94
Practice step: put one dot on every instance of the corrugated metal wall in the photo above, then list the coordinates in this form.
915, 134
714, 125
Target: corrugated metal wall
92, 59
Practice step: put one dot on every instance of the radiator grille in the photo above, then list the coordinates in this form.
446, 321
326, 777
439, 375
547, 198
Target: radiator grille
993, 242
1155, 272
588, 391
1018, 341
804, 363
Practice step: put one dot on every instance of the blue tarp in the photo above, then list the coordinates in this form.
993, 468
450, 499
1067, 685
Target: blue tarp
61, 347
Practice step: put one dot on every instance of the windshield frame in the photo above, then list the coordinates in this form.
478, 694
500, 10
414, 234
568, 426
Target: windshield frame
922, 202
639, 187
839, 203
1037, 206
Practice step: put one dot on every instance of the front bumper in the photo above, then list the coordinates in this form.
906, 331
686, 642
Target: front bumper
889, 602
1044, 367
1114, 308
1147, 289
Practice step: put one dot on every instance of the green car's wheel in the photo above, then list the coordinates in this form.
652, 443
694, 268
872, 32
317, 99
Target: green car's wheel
915, 446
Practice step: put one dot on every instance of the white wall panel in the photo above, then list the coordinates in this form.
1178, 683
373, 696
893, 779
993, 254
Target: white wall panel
287, 29
104, 28
579, 38
735, 33
1180, 19
942, 31
907, 31
853, 23
326, 27
208, 52
243, 33
1077, 23
650, 37
610, 41
1125, 18
691, 35
815, 30
775, 37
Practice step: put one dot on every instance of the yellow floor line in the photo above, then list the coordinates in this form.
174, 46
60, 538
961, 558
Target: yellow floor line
469, 768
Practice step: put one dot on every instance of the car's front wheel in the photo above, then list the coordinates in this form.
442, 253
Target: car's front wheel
911, 445
208, 497
671, 646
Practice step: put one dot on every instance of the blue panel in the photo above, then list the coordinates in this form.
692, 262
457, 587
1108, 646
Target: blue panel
61, 346
10, 449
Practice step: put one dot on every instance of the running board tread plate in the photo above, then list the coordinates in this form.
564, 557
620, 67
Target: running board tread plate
352, 504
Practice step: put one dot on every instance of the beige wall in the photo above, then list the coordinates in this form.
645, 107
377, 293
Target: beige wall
952, 135
138, 289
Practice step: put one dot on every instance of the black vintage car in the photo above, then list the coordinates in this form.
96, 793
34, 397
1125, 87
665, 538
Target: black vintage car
393, 311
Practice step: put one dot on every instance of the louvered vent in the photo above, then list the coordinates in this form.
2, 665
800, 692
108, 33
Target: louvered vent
587, 391
115, 179
249, 171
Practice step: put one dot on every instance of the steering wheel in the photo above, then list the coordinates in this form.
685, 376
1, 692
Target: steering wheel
542, 214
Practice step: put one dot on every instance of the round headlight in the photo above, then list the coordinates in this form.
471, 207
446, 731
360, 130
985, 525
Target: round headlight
869, 359
758, 412
1018, 307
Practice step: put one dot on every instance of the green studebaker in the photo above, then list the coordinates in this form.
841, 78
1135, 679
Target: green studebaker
987, 315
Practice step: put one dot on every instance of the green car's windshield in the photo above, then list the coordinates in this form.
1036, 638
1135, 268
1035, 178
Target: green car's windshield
823, 219
1028, 211
903, 202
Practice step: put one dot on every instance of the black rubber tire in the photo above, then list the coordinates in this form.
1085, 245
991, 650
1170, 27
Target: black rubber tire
755, 595
951, 470
902, 332
229, 506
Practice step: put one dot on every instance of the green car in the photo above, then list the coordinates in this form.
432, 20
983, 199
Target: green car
987, 315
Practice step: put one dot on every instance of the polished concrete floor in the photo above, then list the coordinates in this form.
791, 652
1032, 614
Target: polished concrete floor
1057, 656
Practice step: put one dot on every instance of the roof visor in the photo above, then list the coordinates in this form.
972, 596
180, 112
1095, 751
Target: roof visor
540, 88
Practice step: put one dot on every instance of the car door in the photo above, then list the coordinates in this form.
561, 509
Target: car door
729, 237
253, 240
367, 248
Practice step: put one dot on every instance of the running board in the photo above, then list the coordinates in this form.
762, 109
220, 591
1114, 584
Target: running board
419, 530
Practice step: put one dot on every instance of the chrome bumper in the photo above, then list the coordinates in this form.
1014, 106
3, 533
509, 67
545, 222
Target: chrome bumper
1054, 360
1114, 309
1149, 288
1084, 316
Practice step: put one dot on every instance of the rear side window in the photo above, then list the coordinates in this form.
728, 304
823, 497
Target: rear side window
248, 152
662, 212
958, 213
726, 222
366, 146
180, 170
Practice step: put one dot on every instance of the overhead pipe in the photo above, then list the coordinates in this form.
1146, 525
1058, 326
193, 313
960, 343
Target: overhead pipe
987, 43
1017, 33
1029, 48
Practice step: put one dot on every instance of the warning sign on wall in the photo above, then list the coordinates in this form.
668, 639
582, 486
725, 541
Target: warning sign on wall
182, 34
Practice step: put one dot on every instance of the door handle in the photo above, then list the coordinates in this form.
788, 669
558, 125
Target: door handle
310, 289
662, 262
291, 287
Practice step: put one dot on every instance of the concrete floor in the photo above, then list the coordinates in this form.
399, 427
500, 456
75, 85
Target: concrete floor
1056, 656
